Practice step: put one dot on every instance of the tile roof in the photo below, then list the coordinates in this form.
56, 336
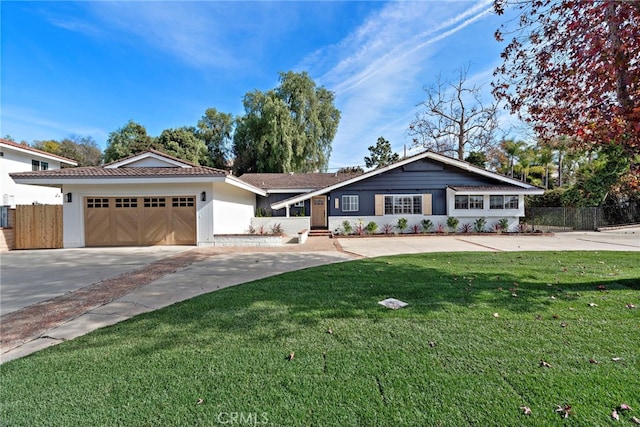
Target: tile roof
133, 172
35, 150
295, 181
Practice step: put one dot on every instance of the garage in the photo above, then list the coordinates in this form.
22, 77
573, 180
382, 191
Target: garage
140, 221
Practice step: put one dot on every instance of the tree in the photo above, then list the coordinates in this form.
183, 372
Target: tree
477, 158
83, 149
571, 69
288, 129
184, 144
215, 129
130, 139
381, 154
454, 118
351, 169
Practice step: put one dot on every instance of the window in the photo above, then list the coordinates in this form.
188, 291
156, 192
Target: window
462, 202
402, 205
511, 202
476, 202
93, 203
35, 165
154, 202
299, 204
44, 166
496, 202
126, 202
350, 204
183, 202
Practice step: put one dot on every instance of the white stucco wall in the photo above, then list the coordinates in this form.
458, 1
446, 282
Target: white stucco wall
21, 194
73, 214
290, 226
233, 209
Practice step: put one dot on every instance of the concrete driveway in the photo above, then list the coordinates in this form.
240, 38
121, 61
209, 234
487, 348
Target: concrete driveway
28, 277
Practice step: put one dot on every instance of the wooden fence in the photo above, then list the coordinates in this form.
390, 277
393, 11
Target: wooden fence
38, 227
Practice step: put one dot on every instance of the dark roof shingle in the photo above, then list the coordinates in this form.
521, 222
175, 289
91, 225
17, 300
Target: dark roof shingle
295, 181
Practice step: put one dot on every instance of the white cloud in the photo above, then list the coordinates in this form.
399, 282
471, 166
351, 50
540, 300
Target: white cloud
378, 71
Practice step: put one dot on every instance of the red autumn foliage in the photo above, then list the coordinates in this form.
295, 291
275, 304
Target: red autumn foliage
573, 68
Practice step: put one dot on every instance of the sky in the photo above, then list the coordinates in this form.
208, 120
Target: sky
88, 67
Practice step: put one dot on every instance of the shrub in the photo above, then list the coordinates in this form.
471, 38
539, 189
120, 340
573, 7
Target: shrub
415, 228
523, 228
387, 229
276, 229
466, 228
371, 227
479, 225
346, 227
261, 230
440, 229
496, 227
452, 223
252, 229
504, 224
402, 224
427, 225
360, 227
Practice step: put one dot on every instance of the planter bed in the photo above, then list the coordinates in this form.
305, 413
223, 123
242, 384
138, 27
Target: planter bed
252, 240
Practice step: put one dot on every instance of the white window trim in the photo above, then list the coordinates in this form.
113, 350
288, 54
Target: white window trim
347, 205
412, 195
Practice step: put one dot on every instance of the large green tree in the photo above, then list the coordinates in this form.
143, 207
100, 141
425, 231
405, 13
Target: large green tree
287, 129
215, 129
130, 139
184, 144
380, 154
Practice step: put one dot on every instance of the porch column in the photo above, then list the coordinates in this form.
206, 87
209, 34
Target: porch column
287, 209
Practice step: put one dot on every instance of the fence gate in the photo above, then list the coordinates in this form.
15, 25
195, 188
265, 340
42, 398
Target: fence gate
38, 227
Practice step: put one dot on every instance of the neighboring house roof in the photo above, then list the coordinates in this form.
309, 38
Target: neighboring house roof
5, 143
515, 185
119, 172
294, 182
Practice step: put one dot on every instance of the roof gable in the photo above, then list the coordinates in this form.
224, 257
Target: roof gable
294, 182
150, 159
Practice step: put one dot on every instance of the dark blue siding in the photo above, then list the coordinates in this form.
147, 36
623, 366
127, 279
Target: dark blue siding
419, 177
264, 203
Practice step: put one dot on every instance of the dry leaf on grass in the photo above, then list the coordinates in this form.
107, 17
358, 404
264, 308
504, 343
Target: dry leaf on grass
624, 407
631, 306
564, 411
635, 420
200, 401
496, 315
432, 344
593, 361
525, 410
615, 415
593, 304
329, 331
544, 364
291, 356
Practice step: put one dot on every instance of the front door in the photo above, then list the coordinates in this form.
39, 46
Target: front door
319, 211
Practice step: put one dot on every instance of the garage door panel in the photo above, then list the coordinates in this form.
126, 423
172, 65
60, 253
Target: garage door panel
97, 222
183, 220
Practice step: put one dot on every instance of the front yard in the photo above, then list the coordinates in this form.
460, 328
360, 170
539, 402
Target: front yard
484, 337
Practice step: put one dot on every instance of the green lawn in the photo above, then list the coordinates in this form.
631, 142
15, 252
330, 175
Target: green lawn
378, 368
